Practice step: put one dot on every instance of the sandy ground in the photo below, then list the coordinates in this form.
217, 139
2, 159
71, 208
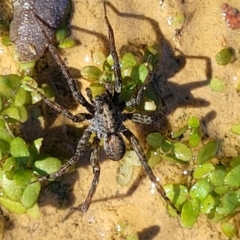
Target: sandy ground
186, 92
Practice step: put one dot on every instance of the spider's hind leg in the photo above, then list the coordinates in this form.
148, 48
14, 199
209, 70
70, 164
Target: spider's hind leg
94, 159
142, 158
81, 147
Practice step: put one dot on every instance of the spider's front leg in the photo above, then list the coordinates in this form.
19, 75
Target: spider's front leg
58, 108
81, 147
94, 160
142, 158
113, 52
71, 82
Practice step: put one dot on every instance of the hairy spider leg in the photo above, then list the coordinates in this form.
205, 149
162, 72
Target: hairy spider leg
58, 108
71, 82
113, 52
147, 119
94, 160
81, 147
142, 158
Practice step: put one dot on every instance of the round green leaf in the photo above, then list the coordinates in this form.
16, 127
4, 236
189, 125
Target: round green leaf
128, 60
11, 189
207, 204
200, 189
19, 150
47, 166
155, 139
203, 169
182, 152
217, 177
177, 193
224, 56
22, 97
91, 72
67, 43
229, 202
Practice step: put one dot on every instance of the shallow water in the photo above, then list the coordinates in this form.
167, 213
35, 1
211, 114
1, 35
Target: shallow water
186, 93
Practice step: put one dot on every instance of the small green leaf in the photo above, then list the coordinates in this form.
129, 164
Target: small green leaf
179, 133
217, 85
98, 58
200, 189
67, 43
11, 189
194, 138
182, 152
97, 89
228, 204
229, 229
179, 19
153, 157
193, 122
62, 33
224, 56
202, 170
9, 167
30, 194
235, 161
233, 177
235, 128
12, 206
143, 72
177, 193
155, 139
190, 212
217, 177
221, 190
19, 150
34, 211
21, 97
207, 152
91, 72
207, 204
152, 54
8, 84
128, 60
17, 113
47, 166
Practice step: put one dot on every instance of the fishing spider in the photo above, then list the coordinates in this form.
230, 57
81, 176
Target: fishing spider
106, 117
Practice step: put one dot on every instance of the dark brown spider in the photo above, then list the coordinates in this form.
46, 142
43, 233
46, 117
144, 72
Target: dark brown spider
106, 119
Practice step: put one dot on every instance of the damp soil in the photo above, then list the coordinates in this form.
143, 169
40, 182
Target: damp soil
182, 78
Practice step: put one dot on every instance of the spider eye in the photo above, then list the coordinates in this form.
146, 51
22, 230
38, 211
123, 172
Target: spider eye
114, 146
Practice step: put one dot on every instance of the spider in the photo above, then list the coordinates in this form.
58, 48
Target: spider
106, 117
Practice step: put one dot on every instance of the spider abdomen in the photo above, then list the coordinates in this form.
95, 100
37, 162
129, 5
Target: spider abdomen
114, 146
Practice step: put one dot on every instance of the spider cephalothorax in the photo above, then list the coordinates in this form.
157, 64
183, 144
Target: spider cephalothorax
106, 117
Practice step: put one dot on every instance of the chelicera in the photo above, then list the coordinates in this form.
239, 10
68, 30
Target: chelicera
106, 117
